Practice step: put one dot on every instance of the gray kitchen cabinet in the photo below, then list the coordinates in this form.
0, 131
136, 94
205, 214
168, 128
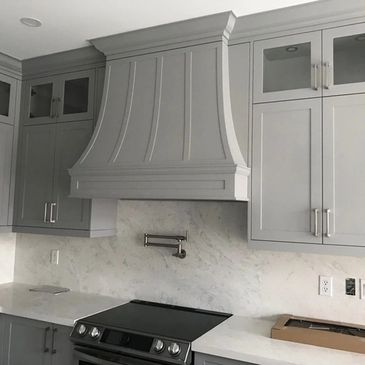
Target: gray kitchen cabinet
344, 170
206, 359
31, 342
287, 171
343, 60
287, 68
8, 92
61, 98
43, 184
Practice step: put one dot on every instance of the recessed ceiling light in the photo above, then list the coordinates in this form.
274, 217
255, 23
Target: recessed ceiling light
31, 22
292, 49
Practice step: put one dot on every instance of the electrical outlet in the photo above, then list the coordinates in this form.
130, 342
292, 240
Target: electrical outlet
362, 288
325, 285
55, 256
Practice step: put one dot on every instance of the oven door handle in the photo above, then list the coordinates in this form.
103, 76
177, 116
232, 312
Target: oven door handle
81, 355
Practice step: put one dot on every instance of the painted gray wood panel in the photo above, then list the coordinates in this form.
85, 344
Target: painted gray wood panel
62, 346
71, 140
239, 79
8, 94
286, 171
35, 174
205, 359
343, 169
6, 152
25, 342
291, 76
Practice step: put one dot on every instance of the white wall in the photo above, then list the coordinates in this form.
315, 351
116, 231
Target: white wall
7, 257
219, 272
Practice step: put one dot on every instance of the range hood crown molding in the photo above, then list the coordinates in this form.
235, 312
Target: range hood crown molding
207, 29
165, 127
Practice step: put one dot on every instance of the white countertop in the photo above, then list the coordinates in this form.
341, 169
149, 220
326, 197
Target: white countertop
63, 309
247, 339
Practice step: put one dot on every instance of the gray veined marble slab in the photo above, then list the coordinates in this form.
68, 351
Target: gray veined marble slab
63, 309
246, 339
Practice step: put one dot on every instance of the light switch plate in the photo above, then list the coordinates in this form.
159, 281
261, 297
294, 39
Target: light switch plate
55, 256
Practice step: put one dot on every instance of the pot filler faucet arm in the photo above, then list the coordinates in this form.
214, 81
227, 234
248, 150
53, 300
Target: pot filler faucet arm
181, 253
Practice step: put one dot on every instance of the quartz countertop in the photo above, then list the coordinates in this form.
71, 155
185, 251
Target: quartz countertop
247, 339
63, 309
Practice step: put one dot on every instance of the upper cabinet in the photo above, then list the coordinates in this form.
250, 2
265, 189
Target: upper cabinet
67, 97
302, 66
287, 67
7, 99
344, 60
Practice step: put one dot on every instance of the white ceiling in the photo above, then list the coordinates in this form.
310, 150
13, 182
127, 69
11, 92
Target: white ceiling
67, 24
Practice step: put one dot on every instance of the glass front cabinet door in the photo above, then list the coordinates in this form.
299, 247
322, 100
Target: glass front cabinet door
7, 99
62, 98
287, 67
344, 60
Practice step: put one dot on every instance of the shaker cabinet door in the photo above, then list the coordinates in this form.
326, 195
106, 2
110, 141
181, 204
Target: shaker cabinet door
344, 170
288, 67
287, 172
35, 175
344, 60
71, 140
8, 94
6, 150
61, 345
26, 342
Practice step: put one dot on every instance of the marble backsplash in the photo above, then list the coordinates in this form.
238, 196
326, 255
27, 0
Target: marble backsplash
220, 272
7, 257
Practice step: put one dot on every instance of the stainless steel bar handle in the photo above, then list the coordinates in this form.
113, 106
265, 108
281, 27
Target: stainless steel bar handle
53, 107
316, 233
45, 348
45, 212
52, 219
58, 107
327, 75
328, 221
315, 77
53, 351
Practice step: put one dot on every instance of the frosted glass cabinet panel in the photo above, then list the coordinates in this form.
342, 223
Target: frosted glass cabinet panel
287, 67
7, 99
344, 60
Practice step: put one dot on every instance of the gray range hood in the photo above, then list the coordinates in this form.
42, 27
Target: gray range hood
165, 128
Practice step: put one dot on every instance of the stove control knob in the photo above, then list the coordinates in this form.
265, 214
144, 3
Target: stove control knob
174, 349
159, 346
95, 333
82, 330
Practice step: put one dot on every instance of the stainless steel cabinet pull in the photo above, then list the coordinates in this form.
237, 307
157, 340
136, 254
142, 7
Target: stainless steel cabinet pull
53, 341
58, 107
316, 222
328, 216
52, 219
45, 212
53, 101
315, 77
45, 348
327, 75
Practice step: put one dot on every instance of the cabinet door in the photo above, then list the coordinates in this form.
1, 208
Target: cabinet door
61, 345
287, 67
71, 140
40, 101
26, 342
6, 149
76, 100
344, 170
8, 87
35, 175
344, 60
286, 171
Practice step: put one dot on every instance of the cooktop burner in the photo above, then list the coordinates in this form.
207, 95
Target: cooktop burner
160, 319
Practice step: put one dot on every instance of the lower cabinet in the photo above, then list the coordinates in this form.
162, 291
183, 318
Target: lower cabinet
30, 342
204, 359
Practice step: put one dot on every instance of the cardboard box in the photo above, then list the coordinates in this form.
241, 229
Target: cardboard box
318, 332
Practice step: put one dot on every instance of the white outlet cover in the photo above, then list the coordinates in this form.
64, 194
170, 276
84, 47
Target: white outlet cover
325, 285
55, 256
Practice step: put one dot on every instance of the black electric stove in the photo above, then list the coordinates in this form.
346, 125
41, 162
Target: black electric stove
151, 332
